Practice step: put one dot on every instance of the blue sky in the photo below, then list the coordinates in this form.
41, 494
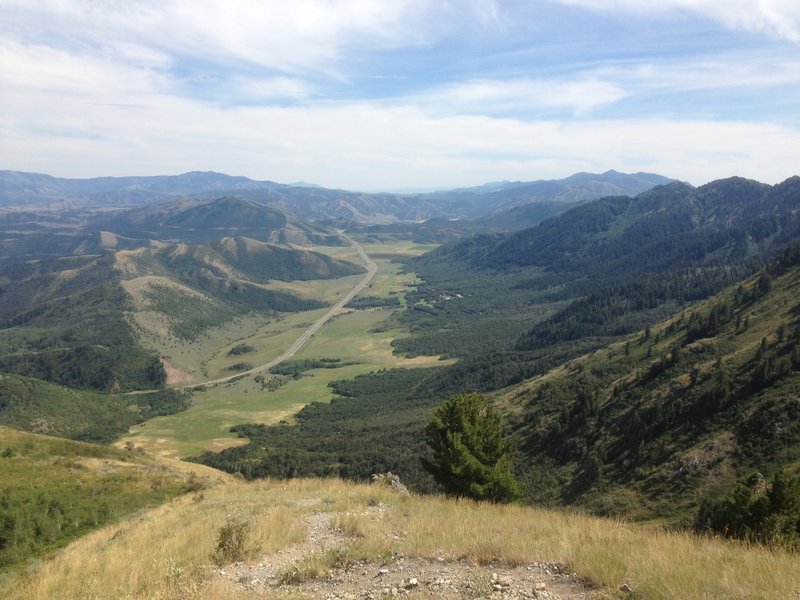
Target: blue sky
401, 94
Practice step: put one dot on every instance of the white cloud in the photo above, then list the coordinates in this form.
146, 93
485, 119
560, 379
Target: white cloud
371, 146
779, 18
490, 96
39, 69
98, 88
284, 35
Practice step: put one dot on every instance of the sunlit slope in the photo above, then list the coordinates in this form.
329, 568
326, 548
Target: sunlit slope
54, 490
309, 538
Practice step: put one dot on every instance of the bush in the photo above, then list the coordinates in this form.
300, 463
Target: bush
231, 542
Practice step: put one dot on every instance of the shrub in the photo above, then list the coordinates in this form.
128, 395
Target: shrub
231, 541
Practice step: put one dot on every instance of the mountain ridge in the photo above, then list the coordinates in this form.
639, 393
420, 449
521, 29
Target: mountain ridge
314, 202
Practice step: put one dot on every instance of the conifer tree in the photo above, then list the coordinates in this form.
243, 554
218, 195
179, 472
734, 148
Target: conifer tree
471, 458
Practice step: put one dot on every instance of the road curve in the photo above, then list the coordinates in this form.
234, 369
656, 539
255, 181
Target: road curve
372, 268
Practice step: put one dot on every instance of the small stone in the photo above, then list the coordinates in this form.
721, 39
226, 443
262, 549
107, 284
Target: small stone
383, 571
494, 576
222, 571
625, 588
540, 586
412, 583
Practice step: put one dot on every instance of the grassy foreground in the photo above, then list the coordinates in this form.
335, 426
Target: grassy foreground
167, 552
53, 491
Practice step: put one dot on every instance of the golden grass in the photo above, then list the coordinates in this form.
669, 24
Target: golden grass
166, 553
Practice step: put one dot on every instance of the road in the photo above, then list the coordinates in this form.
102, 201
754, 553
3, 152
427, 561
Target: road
372, 268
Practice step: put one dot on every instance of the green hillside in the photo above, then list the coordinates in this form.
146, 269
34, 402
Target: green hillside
253, 259
63, 320
41, 407
648, 427
655, 423
53, 491
193, 220
68, 319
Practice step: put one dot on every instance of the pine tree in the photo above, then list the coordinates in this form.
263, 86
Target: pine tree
471, 458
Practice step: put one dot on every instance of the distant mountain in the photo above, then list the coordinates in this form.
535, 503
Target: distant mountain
579, 187
31, 189
315, 203
610, 266
523, 216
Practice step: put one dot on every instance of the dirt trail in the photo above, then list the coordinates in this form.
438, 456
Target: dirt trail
410, 577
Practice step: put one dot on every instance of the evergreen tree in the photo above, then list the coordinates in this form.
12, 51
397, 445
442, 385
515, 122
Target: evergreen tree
471, 457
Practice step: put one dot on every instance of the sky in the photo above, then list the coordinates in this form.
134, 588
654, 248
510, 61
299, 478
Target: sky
401, 94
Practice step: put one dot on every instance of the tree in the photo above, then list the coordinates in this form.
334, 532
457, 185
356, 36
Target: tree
471, 458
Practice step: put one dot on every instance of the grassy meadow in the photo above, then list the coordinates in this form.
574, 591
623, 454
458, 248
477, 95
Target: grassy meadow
357, 337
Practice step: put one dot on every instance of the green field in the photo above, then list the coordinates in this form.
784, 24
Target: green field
356, 336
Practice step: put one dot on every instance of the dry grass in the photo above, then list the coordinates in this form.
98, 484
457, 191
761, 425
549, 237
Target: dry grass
166, 553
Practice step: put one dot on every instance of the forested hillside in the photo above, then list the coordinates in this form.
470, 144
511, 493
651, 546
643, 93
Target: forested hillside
40, 407
674, 414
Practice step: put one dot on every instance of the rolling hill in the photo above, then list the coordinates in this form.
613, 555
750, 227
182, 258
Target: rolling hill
70, 300
655, 423
193, 220
54, 491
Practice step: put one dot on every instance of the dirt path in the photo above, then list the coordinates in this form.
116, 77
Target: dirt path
411, 577
372, 269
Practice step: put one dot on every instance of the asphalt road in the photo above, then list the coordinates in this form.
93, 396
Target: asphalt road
372, 268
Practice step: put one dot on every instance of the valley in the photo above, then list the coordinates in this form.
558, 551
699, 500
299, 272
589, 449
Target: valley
640, 351
357, 339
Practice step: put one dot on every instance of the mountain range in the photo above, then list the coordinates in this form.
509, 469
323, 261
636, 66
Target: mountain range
316, 203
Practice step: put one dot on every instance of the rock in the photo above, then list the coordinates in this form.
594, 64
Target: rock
383, 571
540, 586
625, 588
390, 480
412, 583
